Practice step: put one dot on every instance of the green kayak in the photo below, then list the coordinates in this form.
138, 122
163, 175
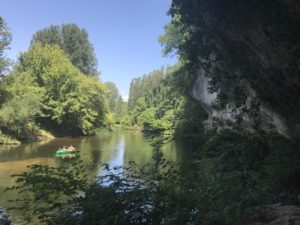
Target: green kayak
67, 152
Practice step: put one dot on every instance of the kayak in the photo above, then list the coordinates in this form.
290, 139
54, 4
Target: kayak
65, 152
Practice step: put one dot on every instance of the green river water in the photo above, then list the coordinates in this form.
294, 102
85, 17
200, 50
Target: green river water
117, 148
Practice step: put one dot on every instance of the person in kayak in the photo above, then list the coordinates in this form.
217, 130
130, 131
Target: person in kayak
70, 148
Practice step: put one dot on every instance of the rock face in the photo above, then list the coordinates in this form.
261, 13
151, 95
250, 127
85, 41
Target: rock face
250, 53
229, 116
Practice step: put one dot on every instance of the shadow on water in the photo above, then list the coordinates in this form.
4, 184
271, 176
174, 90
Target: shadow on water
116, 149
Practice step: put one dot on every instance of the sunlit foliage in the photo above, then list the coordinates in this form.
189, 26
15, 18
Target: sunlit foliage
5, 39
115, 102
159, 102
75, 43
53, 93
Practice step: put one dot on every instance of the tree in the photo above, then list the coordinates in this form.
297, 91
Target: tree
120, 109
115, 102
21, 103
5, 39
112, 95
17, 116
71, 103
74, 41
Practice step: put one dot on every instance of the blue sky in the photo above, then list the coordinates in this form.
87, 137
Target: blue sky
124, 32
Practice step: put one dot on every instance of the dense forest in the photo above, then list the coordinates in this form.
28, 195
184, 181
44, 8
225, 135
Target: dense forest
54, 87
158, 103
232, 96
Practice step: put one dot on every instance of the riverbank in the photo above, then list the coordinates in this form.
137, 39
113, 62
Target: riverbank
7, 140
42, 135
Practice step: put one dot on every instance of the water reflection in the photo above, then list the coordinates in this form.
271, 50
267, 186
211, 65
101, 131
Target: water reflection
116, 149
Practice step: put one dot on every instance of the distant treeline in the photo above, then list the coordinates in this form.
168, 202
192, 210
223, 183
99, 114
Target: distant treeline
159, 103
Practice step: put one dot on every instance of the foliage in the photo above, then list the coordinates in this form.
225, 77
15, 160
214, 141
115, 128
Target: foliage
190, 119
112, 95
115, 101
21, 104
126, 122
147, 119
150, 87
176, 35
222, 38
231, 175
149, 101
158, 102
267, 159
17, 116
7, 140
50, 191
47, 89
74, 41
43, 134
225, 183
122, 198
121, 108
5, 39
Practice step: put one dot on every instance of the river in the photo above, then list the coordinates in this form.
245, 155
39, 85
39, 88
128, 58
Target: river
116, 148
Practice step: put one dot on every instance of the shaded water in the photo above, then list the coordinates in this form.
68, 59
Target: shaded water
117, 148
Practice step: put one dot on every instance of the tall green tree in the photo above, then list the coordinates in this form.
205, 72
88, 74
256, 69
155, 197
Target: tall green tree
112, 95
120, 109
74, 41
150, 86
21, 104
67, 102
5, 39
115, 102
158, 102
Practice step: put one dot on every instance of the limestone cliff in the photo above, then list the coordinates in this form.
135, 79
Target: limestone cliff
247, 60
229, 116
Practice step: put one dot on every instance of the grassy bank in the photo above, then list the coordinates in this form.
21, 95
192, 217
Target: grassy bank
7, 140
